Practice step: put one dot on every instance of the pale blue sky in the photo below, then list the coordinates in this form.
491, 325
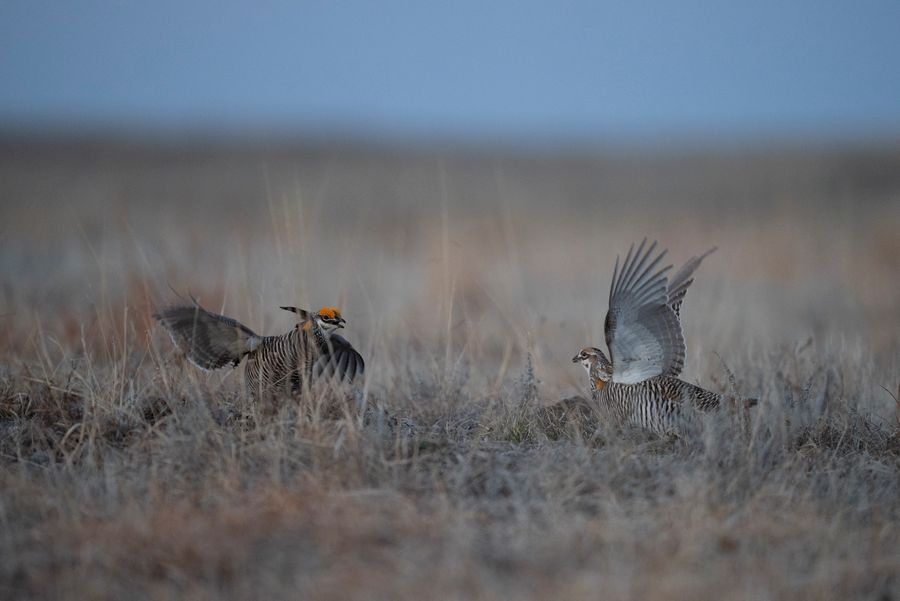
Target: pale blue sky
464, 68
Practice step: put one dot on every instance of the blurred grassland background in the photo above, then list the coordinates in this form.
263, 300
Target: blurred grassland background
469, 280
494, 255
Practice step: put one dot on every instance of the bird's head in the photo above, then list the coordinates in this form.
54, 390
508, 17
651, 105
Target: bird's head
327, 318
595, 362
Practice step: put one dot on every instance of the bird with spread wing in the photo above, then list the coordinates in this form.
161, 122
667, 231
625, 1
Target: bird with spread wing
275, 364
639, 382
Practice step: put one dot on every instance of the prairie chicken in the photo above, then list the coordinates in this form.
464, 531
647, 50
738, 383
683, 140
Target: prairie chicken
275, 364
640, 384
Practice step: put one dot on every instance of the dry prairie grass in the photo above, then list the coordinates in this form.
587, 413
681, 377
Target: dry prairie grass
451, 472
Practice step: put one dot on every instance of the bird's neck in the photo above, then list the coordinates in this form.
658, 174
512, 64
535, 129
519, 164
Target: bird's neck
311, 328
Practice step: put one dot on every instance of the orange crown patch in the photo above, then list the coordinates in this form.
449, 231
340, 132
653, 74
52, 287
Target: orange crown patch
332, 312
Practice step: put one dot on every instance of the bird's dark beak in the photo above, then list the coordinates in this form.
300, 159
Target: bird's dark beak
576, 358
341, 322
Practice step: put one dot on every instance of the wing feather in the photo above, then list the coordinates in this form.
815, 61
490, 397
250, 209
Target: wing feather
209, 340
339, 358
682, 280
642, 330
678, 287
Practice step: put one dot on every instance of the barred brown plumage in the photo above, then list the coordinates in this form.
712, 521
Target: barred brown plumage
284, 363
643, 331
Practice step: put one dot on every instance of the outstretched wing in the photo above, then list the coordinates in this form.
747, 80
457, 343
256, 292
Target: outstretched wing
642, 330
339, 358
209, 340
680, 282
678, 287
